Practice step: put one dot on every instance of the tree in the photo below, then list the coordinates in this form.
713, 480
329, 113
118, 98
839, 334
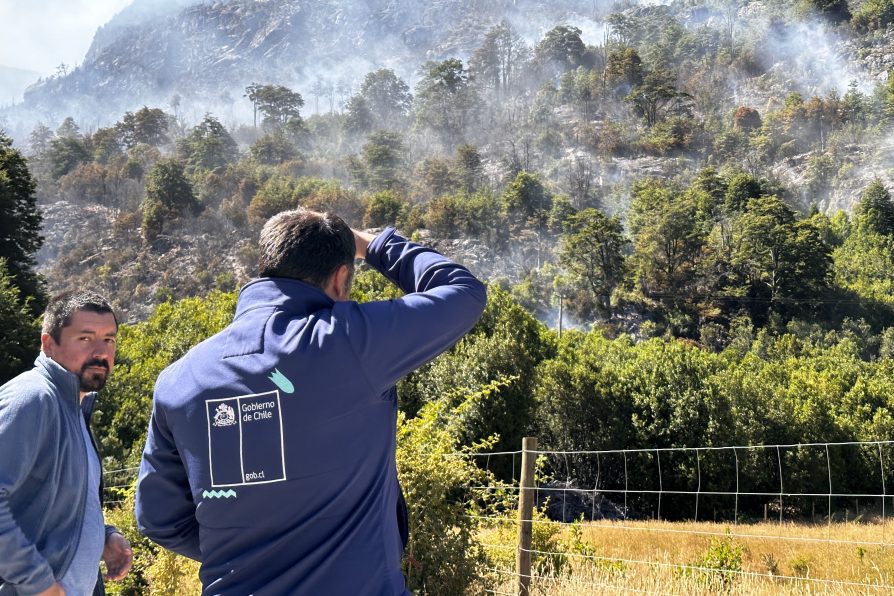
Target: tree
496, 63
445, 99
578, 403
612, 394
593, 250
106, 145
278, 104
272, 149
435, 177
382, 209
359, 118
383, 158
667, 239
740, 189
821, 116
777, 256
147, 125
285, 192
20, 222
65, 154
39, 139
875, 210
561, 49
448, 556
468, 167
21, 335
175, 102
837, 10
747, 119
864, 264
526, 201
208, 145
656, 96
68, 128
644, 28
855, 110
169, 196
580, 180
318, 89
623, 70
92, 183
387, 97
712, 187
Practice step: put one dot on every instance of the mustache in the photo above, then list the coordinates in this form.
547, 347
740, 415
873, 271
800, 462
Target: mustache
95, 362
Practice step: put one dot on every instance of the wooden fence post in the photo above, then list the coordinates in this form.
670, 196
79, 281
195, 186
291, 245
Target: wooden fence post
525, 515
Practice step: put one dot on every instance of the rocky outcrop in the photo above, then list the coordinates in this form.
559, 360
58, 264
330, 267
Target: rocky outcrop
101, 248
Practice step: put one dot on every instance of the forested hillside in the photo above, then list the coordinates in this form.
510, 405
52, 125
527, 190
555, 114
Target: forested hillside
697, 173
696, 163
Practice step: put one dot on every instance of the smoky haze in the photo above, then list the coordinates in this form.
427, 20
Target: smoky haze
545, 88
207, 53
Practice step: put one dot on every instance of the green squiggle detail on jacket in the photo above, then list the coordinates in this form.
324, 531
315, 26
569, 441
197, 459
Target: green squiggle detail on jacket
219, 494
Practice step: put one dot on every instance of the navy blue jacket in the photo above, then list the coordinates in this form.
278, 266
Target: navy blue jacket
270, 454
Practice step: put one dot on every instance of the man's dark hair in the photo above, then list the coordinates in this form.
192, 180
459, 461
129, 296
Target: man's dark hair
62, 308
305, 245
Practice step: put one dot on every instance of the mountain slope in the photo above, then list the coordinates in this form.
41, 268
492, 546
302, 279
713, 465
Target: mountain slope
211, 51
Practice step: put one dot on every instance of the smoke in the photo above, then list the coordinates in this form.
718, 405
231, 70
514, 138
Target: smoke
811, 58
208, 52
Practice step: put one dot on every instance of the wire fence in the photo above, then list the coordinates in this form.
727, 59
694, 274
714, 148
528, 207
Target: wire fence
795, 518
805, 518
116, 483
642, 481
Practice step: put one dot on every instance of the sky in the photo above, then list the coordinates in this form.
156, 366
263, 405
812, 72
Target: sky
39, 35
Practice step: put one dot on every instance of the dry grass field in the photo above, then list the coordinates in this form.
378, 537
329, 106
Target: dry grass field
655, 557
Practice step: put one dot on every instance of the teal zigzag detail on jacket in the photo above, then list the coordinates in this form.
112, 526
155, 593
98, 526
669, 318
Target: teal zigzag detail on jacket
219, 494
281, 381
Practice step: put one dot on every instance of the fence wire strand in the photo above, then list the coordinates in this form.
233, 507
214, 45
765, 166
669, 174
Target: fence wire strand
653, 449
616, 526
577, 582
681, 566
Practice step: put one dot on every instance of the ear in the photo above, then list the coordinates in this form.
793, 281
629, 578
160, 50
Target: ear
338, 287
47, 343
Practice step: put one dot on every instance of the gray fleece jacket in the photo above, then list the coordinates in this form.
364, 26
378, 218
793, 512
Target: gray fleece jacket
43, 479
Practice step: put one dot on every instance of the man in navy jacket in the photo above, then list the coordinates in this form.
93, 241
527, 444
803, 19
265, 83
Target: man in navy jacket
271, 449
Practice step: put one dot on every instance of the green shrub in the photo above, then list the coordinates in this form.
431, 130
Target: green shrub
800, 566
873, 15
155, 570
444, 555
720, 565
382, 209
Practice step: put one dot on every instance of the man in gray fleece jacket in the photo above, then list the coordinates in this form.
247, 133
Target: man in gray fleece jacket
52, 535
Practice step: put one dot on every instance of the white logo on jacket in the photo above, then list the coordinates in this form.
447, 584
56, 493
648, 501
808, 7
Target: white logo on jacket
224, 415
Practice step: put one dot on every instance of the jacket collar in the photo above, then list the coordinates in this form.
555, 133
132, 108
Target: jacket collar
65, 382
295, 296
